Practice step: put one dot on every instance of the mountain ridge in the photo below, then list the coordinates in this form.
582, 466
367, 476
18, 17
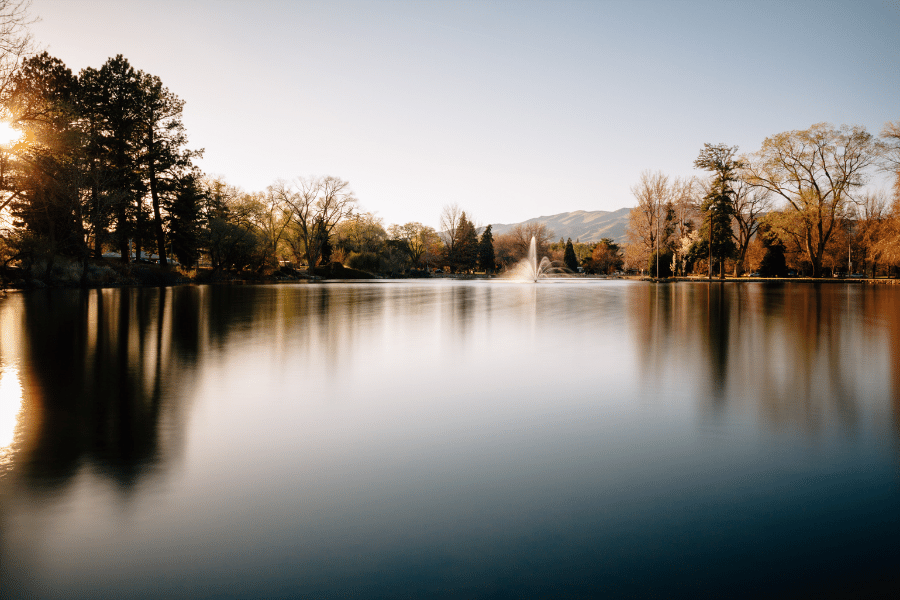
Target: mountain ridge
581, 225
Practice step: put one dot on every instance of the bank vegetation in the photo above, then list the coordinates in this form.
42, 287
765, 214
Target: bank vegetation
802, 204
99, 186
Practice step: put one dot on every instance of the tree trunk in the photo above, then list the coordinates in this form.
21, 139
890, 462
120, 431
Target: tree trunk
95, 200
154, 197
138, 232
816, 268
312, 255
122, 212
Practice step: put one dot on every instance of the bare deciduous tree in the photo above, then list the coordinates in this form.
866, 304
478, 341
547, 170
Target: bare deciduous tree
317, 205
419, 238
451, 216
891, 163
878, 229
750, 204
815, 171
522, 234
653, 218
16, 42
686, 205
273, 218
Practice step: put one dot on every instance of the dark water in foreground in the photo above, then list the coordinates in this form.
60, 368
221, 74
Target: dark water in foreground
450, 439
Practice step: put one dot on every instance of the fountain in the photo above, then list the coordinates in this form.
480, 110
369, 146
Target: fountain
529, 269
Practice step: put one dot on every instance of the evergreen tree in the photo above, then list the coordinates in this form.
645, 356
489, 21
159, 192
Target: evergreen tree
466, 249
664, 262
98, 208
717, 211
486, 258
97, 144
773, 263
46, 180
163, 156
183, 219
569, 256
716, 237
117, 94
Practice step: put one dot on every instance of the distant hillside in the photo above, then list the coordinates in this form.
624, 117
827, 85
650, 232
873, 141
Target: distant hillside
582, 225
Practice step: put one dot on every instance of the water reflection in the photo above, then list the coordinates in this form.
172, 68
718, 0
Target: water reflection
95, 366
455, 438
799, 356
10, 408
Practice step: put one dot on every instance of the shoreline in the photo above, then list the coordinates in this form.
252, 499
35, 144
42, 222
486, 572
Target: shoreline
866, 280
177, 279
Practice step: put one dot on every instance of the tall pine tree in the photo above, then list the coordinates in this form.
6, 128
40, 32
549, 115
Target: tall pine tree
716, 238
569, 257
163, 155
118, 94
486, 258
466, 249
184, 218
46, 179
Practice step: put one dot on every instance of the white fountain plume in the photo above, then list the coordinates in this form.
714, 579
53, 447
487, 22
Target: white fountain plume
529, 269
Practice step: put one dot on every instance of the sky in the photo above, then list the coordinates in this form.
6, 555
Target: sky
512, 110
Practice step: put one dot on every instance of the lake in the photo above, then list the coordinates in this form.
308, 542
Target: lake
452, 439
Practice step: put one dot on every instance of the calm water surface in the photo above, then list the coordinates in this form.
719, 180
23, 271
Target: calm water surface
450, 439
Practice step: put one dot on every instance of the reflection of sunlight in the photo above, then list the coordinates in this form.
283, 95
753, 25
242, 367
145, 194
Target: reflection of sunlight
10, 406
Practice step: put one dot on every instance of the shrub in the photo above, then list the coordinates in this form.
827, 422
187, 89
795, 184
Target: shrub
364, 261
665, 263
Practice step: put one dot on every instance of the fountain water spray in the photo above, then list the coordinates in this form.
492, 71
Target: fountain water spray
530, 269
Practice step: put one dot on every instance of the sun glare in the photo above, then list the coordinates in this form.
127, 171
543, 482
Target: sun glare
10, 406
8, 134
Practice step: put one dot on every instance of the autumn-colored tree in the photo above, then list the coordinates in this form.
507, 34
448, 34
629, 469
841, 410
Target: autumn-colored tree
891, 155
652, 222
749, 205
606, 257
506, 252
815, 171
318, 205
419, 239
360, 232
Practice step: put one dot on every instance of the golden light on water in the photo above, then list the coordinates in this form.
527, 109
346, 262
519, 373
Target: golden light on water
8, 134
10, 406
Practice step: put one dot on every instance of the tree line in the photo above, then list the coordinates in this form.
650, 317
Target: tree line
799, 203
98, 165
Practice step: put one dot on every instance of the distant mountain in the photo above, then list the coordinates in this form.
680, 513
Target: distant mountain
582, 225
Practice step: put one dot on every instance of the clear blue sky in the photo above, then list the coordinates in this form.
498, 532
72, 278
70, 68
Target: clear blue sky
511, 109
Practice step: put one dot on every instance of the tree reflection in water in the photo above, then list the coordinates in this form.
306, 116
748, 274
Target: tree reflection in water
794, 354
440, 433
96, 366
